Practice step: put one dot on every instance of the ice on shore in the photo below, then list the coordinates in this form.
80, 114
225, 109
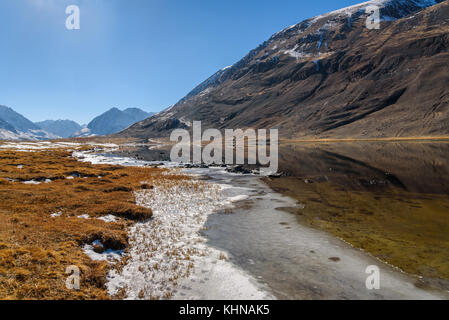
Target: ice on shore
238, 198
107, 255
167, 250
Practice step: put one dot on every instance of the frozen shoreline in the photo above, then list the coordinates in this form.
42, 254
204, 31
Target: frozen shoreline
168, 258
298, 262
189, 251
295, 262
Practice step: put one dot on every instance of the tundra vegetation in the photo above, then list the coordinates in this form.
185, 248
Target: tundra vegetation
43, 194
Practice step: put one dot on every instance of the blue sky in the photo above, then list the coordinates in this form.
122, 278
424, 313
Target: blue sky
128, 53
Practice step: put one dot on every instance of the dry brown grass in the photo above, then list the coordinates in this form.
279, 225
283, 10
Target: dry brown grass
35, 249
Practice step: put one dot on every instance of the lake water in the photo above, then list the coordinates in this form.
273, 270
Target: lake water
389, 199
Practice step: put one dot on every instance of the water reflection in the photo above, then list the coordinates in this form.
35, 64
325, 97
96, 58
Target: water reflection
388, 198
411, 166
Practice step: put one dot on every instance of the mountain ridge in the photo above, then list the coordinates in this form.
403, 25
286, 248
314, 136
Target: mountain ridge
14, 126
62, 128
331, 77
112, 121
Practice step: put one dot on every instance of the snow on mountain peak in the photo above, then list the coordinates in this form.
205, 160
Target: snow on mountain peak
403, 8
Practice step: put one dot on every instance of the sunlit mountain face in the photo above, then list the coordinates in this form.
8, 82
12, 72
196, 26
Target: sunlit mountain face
331, 76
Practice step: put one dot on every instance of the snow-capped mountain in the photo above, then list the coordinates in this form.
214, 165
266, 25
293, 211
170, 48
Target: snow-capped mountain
15, 119
61, 128
113, 121
14, 126
6, 126
331, 76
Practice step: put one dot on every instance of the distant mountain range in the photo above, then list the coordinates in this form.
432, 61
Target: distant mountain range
113, 121
61, 128
331, 77
14, 126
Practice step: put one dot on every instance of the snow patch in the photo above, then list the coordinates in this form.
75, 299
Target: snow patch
295, 54
238, 198
108, 218
169, 249
57, 214
108, 255
31, 182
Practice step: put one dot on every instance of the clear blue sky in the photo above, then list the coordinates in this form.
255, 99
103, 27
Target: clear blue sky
129, 53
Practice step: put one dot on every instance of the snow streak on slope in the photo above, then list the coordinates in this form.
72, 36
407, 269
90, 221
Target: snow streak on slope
396, 4
30, 135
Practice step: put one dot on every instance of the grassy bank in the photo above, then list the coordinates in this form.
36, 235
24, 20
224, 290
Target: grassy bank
35, 247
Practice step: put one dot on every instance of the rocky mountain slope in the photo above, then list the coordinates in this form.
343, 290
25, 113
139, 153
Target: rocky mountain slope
6, 126
15, 119
14, 126
113, 121
61, 128
332, 77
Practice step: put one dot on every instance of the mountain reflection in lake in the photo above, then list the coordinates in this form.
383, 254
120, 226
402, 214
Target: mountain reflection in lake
410, 166
388, 198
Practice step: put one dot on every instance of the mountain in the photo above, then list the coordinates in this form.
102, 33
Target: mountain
332, 77
6, 126
61, 128
113, 121
15, 119
14, 126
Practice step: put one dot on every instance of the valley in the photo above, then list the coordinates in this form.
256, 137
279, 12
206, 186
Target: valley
126, 222
343, 194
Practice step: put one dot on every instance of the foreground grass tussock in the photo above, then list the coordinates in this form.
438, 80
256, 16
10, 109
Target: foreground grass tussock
36, 247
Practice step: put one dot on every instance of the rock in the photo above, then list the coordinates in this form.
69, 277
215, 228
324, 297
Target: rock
275, 175
238, 169
98, 248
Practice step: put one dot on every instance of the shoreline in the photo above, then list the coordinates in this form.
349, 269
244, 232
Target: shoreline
409, 284
388, 139
168, 258
221, 235
299, 262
